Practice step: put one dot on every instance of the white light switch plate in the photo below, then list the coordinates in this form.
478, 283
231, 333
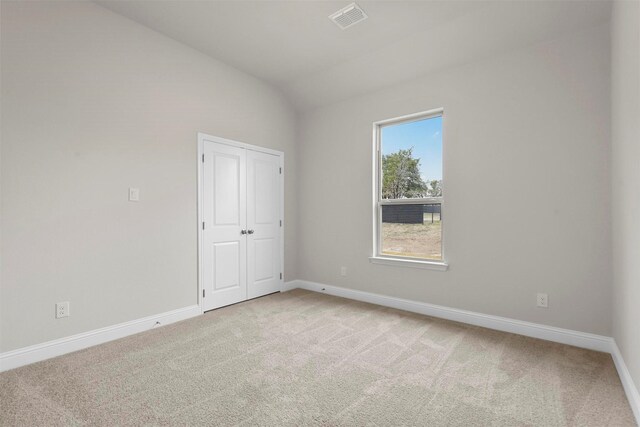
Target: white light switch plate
134, 194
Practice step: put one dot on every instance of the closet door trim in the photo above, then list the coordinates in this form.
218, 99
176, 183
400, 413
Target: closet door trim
202, 137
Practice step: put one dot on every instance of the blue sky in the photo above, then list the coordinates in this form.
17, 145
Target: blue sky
425, 136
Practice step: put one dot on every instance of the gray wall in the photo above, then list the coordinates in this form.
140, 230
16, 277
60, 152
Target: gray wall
525, 133
626, 180
92, 104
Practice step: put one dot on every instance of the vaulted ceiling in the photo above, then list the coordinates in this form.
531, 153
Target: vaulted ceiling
295, 47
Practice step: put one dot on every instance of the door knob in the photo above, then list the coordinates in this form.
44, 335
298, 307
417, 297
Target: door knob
243, 231
250, 231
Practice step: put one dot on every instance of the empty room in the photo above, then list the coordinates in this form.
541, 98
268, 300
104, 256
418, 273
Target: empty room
320, 213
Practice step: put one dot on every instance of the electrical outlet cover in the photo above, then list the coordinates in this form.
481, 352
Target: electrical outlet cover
62, 309
543, 300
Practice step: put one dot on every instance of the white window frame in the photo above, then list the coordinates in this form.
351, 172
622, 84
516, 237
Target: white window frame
378, 202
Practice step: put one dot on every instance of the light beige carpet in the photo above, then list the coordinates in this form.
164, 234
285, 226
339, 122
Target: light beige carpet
302, 358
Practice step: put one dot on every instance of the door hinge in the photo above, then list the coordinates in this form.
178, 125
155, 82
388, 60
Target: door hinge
280, 276
203, 293
203, 158
280, 223
203, 225
280, 171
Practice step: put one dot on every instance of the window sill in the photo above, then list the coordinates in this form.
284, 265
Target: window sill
426, 265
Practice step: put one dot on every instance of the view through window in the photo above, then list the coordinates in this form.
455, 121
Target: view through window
410, 188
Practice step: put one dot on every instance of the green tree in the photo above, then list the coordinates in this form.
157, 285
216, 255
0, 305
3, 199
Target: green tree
435, 188
401, 176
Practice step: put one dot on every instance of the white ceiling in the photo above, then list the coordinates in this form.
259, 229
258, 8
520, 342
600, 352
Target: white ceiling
295, 47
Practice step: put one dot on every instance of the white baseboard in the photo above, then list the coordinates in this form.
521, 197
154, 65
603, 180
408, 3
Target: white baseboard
288, 286
35, 353
627, 382
535, 330
549, 333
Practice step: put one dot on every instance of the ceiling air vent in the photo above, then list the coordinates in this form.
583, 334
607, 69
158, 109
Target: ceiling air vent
348, 16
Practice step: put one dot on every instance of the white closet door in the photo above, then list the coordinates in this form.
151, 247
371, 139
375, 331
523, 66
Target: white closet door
224, 248
263, 223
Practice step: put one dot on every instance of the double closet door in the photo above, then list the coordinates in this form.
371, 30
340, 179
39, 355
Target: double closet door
241, 205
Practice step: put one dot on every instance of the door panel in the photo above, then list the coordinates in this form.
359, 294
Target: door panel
264, 262
224, 215
226, 254
263, 218
227, 189
265, 194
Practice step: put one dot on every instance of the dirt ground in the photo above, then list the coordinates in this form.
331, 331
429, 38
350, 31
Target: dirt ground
413, 240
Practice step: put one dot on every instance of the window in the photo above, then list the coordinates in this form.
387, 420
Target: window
408, 190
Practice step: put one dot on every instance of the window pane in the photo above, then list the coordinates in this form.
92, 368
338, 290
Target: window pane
412, 231
412, 159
